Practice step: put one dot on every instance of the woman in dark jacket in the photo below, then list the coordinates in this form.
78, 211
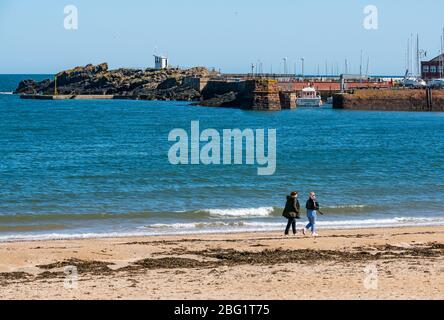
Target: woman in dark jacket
292, 212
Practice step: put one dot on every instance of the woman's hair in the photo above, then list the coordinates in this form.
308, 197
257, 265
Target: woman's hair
294, 193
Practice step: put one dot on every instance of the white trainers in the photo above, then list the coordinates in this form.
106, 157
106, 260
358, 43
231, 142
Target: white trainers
315, 235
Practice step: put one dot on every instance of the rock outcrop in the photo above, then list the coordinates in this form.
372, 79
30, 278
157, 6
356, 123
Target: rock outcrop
149, 84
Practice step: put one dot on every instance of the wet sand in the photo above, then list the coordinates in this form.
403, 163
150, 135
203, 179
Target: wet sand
398, 263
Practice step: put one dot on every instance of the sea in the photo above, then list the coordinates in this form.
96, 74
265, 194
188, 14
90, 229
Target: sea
100, 168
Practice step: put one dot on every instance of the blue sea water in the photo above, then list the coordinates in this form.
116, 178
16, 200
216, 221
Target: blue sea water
100, 168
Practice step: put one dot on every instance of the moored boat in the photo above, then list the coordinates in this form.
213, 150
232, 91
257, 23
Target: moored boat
309, 97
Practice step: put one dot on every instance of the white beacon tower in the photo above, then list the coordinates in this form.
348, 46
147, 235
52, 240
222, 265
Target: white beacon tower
160, 62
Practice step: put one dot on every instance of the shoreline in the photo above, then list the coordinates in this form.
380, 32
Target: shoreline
253, 265
129, 235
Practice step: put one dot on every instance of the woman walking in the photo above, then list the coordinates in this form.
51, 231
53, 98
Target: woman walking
312, 207
292, 212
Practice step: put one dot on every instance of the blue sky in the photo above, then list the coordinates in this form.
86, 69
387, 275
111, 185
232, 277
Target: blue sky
227, 35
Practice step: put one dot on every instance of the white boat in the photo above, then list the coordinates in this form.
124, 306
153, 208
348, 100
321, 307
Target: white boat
309, 97
413, 82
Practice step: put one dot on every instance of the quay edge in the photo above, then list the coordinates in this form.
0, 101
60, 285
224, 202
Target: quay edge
415, 100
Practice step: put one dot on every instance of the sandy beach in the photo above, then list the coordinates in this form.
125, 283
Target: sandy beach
399, 263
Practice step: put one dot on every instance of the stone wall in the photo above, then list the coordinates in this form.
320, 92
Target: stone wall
288, 100
220, 87
390, 100
265, 95
254, 94
197, 83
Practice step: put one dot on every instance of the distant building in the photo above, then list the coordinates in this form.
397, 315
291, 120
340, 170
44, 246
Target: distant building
160, 62
433, 69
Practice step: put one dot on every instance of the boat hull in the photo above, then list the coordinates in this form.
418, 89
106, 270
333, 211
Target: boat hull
309, 102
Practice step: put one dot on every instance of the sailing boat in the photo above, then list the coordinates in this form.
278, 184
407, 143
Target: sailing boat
411, 81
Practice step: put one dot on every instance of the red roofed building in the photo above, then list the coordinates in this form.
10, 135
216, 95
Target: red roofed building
433, 69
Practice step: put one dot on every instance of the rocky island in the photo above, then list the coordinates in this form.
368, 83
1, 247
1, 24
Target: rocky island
198, 85
149, 84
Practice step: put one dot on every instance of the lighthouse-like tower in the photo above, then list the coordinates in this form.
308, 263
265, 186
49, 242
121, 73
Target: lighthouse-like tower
160, 62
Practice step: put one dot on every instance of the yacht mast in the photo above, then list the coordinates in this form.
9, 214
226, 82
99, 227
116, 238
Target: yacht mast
442, 54
409, 57
367, 69
407, 60
418, 68
412, 55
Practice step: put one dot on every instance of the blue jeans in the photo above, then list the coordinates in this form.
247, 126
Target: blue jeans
311, 215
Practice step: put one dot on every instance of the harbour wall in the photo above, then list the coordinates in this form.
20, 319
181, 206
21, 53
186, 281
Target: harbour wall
67, 97
267, 94
392, 100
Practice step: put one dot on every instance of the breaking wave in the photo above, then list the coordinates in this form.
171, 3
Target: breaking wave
230, 227
242, 212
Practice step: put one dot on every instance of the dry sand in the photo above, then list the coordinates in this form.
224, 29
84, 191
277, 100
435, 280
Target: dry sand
400, 263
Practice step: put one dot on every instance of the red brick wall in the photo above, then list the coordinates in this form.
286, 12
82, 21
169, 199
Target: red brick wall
332, 86
431, 75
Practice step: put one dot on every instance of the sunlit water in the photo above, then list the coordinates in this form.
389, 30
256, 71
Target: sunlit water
100, 168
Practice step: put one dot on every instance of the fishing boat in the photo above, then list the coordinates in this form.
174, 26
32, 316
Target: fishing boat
309, 97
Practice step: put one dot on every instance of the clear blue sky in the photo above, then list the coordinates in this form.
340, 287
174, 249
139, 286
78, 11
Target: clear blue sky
228, 34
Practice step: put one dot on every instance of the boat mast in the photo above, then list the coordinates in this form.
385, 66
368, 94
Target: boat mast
367, 69
408, 57
417, 56
442, 54
412, 54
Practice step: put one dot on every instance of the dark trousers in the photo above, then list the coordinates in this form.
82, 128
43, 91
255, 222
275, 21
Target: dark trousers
292, 224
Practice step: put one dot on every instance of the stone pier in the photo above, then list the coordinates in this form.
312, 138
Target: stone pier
288, 100
265, 95
391, 100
